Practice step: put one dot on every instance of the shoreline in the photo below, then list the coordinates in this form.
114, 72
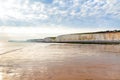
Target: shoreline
81, 42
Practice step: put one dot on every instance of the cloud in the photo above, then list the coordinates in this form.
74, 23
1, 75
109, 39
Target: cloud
37, 12
20, 10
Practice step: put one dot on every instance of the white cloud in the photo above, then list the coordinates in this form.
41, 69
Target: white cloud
99, 8
25, 10
14, 9
10, 8
112, 7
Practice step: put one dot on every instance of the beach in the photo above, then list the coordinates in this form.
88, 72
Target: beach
59, 61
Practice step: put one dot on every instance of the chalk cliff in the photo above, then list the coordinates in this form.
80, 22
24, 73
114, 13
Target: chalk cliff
93, 37
90, 36
97, 36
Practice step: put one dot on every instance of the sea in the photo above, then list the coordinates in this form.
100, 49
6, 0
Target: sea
59, 61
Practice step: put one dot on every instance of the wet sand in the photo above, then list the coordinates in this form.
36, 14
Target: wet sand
37, 61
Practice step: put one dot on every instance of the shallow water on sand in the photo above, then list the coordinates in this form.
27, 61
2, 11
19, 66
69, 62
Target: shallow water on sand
43, 61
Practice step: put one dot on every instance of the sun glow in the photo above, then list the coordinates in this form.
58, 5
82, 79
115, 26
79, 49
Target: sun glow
33, 32
43, 29
40, 32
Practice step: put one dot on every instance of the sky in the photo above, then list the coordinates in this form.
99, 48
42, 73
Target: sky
58, 16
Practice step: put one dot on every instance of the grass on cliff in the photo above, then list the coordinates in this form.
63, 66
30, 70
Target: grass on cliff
53, 38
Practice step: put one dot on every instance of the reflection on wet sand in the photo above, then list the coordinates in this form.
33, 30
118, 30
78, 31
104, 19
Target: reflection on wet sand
62, 62
1, 76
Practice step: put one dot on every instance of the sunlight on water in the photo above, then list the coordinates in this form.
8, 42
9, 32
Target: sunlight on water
1, 78
1, 44
43, 61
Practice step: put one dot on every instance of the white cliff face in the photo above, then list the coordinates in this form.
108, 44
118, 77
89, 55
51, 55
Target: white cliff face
108, 36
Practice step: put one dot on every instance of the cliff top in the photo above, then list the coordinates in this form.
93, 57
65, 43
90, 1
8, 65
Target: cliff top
114, 31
